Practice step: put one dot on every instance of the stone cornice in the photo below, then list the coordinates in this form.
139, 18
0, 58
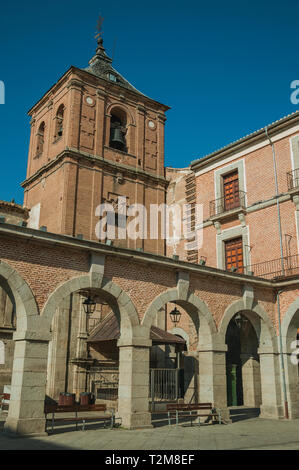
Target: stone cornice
102, 162
11, 207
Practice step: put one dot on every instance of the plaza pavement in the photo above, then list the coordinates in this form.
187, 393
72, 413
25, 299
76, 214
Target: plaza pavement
249, 434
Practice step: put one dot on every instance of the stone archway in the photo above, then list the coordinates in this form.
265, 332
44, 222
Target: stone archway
31, 343
271, 406
211, 355
130, 343
289, 329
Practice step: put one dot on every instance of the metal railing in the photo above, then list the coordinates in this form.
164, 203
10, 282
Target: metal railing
164, 384
293, 179
224, 204
280, 267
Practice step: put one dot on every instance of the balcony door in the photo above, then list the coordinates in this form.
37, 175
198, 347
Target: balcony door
231, 191
234, 254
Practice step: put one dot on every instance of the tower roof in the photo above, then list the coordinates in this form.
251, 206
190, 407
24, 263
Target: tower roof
101, 66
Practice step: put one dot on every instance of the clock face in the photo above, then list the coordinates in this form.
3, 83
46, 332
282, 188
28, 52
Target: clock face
89, 100
151, 124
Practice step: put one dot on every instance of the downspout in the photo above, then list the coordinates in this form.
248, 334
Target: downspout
286, 408
277, 201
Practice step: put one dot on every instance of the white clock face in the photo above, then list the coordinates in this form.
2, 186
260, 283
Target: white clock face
89, 100
151, 125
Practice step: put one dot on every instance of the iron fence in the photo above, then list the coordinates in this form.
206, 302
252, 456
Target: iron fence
164, 384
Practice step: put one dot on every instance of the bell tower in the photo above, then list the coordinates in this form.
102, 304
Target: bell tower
94, 137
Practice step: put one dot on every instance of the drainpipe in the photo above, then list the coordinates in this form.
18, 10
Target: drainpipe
286, 408
277, 201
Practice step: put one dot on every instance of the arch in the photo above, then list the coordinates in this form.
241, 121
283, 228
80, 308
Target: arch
59, 117
288, 327
123, 108
40, 139
180, 332
23, 300
194, 306
265, 330
123, 306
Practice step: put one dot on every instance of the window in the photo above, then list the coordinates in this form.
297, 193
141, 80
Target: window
234, 254
59, 122
40, 140
231, 191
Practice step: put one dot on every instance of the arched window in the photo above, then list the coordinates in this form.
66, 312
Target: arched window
2, 353
40, 140
118, 130
59, 122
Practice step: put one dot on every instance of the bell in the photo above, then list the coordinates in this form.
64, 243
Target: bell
117, 138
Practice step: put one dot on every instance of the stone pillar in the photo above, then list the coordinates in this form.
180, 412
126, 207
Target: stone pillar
251, 380
133, 389
212, 379
271, 385
28, 387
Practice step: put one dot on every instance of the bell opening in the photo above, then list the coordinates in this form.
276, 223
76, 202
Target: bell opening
118, 130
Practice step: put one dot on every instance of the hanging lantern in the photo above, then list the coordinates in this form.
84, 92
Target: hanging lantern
240, 320
89, 305
175, 316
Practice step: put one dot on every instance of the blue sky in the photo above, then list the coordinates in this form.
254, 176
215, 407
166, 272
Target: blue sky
224, 67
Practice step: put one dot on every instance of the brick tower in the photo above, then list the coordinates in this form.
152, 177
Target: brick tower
94, 137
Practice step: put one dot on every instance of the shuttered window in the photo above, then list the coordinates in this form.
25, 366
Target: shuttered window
231, 191
234, 254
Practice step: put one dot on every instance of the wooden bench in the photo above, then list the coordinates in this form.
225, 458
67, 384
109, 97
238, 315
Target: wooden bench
192, 410
75, 409
4, 400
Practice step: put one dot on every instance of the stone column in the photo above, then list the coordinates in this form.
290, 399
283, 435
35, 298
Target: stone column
270, 384
133, 389
212, 379
291, 371
251, 380
28, 387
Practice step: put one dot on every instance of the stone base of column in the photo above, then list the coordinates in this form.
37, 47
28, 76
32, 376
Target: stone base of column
29, 427
141, 420
294, 410
272, 412
225, 415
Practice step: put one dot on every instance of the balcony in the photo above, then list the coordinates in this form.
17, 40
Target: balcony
225, 207
293, 180
276, 268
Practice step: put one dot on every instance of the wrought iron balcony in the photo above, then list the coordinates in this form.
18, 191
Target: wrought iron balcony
280, 267
293, 179
224, 204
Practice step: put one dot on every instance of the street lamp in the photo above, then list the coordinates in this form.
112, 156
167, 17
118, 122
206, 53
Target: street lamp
175, 316
89, 305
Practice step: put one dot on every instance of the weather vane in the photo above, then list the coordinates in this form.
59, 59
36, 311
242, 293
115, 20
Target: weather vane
99, 31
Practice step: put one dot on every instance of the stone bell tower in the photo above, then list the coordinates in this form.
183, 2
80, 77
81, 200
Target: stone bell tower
94, 137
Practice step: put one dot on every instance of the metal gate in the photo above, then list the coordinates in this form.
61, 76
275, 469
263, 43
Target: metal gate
165, 384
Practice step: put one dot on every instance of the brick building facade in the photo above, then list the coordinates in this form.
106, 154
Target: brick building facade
94, 137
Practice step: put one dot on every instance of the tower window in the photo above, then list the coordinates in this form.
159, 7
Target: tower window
59, 122
40, 140
112, 77
118, 130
